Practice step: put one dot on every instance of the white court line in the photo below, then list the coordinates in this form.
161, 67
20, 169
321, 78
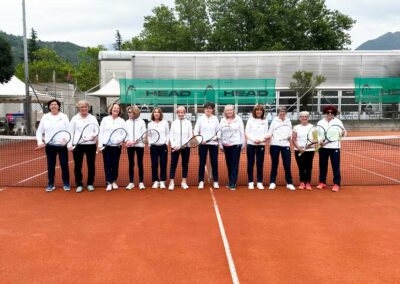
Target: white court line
373, 159
32, 177
15, 165
374, 173
235, 279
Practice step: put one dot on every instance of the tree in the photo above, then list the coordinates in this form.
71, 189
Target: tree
305, 85
88, 68
6, 61
161, 32
46, 62
32, 45
238, 25
118, 41
194, 24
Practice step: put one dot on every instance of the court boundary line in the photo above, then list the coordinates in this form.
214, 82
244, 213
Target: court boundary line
374, 173
21, 163
229, 257
373, 159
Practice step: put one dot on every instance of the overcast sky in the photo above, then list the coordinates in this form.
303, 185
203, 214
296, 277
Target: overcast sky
93, 22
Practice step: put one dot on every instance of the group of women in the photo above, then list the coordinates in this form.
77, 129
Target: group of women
253, 138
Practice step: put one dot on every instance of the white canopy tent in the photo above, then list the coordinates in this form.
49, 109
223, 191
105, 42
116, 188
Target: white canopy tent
109, 90
14, 92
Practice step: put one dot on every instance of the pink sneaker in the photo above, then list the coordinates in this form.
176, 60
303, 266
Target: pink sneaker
308, 186
335, 188
302, 186
321, 185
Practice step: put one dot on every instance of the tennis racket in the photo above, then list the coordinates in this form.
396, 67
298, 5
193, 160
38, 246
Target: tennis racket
193, 142
334, 133
59, 139
149, 136
117, 137
89, 133
224, 133
282, 133
315, 136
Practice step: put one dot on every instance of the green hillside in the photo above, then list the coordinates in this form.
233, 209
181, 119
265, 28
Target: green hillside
66, 50
388, 41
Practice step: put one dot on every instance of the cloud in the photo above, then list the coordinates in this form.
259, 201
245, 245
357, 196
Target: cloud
94, 22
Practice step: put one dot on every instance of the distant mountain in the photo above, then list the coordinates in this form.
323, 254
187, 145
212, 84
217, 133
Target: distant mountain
65, 50
388, 41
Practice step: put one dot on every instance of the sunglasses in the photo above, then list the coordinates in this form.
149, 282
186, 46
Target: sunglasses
329, 112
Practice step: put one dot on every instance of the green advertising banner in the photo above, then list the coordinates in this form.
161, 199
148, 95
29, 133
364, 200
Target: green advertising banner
377, 90
221, 91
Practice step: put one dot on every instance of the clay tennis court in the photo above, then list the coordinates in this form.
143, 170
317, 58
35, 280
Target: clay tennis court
200, 236
156, 236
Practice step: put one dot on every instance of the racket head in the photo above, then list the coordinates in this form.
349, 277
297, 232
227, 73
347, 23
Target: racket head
89, 133
60, 138
225, 133
282, 133
334, 133
150, 136
315, 135
117, 137
193, 142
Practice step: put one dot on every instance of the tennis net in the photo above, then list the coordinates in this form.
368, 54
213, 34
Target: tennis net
373, 160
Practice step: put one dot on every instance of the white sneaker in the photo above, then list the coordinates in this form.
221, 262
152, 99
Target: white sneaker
184, 185
171, 186
141, 185
251, 185
130, 186
108, 188
216, 185
290, 186
114, 185
162, 184
79, 189
201, 185
272, 186
155, 185
260, 185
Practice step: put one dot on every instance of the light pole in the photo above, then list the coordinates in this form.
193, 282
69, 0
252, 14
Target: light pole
27, 103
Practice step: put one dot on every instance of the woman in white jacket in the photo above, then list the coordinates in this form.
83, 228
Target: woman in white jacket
207, 125
159, 150
233, 145
111, 153
135, 127
49, 125
181, 131
256, 132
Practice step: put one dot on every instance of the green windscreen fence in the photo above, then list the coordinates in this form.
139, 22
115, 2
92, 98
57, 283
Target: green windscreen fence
377, 90
220, 91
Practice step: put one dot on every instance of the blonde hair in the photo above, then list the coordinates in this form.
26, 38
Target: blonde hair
135, 111
82, 103
181, 107
229, 106
304, 113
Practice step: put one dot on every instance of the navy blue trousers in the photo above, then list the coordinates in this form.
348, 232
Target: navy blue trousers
255, 153
334, 155
111, 155
274, 152
51, 153
232, 158
78, 153
159, 157
213, 150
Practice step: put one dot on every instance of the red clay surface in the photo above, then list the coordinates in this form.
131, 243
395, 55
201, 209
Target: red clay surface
156, 236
